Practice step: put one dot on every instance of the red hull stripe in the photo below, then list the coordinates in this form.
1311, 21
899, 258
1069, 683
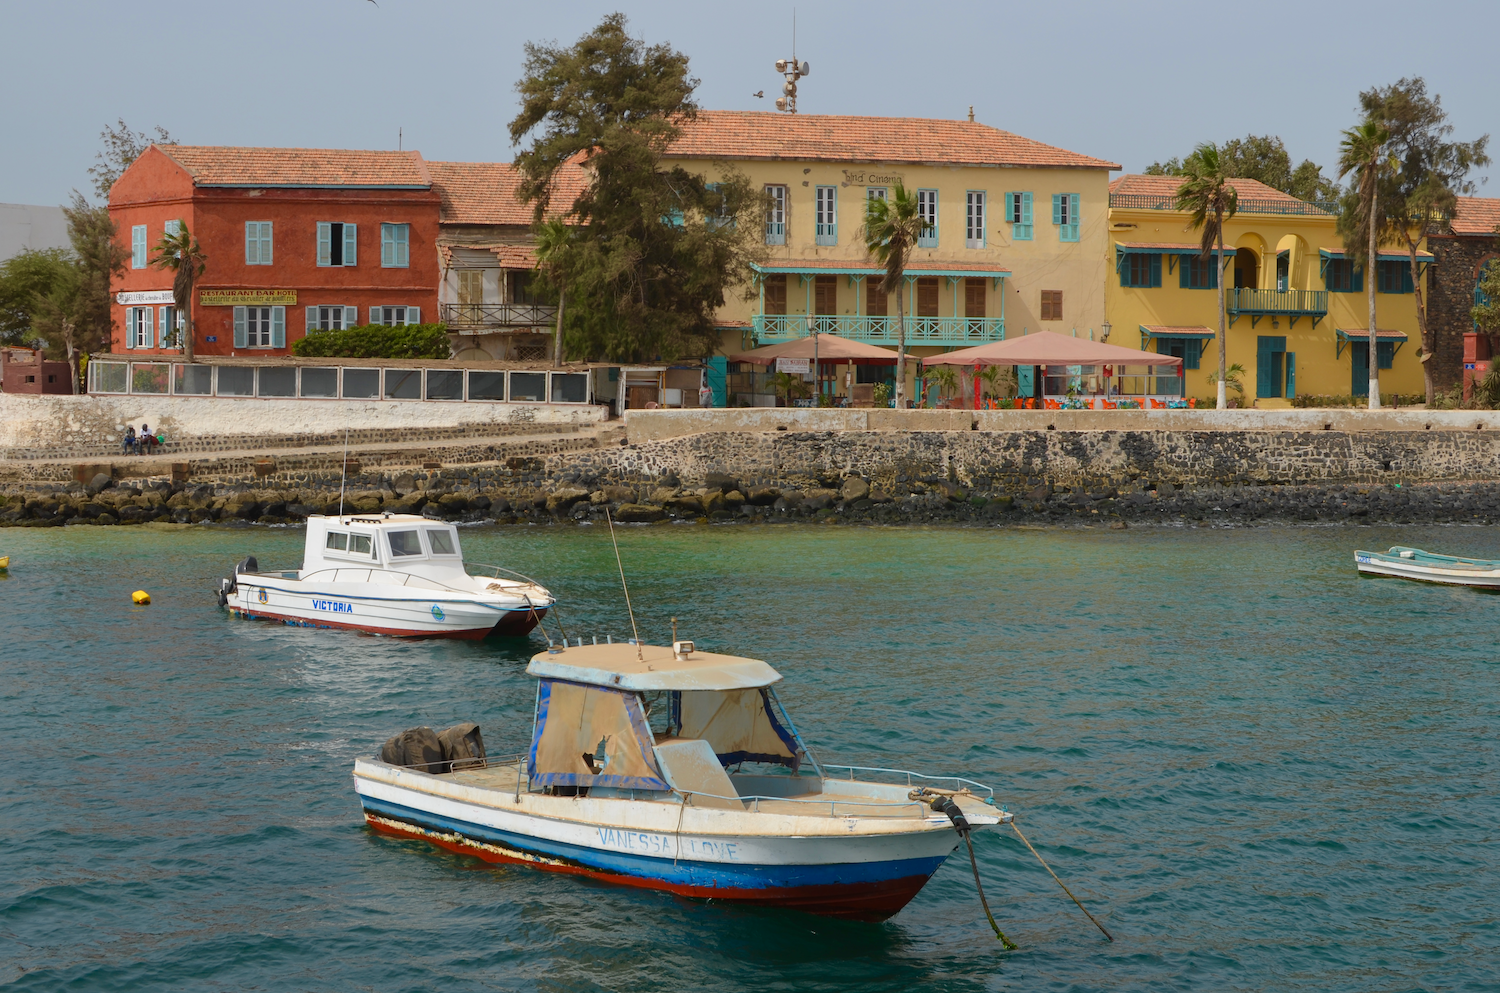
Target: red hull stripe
514, 623
874, 900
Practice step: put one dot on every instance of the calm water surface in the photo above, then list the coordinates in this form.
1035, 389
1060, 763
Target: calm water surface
1259, 771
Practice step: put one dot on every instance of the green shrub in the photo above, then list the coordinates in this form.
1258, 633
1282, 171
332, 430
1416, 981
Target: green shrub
1349, 400
377, 341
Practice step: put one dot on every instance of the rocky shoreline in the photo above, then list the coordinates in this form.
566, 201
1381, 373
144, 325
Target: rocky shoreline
524, 494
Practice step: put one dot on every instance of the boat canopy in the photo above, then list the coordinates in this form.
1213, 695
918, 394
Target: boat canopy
654, 667
591, 721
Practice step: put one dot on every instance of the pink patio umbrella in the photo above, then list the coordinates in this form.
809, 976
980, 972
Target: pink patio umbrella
1050, 348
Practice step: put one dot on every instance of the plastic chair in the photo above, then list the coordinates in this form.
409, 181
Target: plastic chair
1193, 403
1111, 406
1158, 405
1052, 405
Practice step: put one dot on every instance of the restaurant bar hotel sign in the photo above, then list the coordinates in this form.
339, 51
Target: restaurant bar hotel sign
247, 298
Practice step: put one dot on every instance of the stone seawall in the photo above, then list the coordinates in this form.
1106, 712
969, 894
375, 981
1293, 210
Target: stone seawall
1420, 473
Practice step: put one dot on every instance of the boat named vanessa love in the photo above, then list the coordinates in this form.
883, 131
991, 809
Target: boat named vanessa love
636, 774
392, 574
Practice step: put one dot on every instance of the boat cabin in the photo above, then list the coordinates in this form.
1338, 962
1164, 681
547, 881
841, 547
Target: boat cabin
617, 719
400, 542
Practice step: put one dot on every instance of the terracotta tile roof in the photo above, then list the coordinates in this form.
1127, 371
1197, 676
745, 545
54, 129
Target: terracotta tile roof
1167, 247
733, 134
215, 165
1168, 330
1166, 186
1476, 216
485, 192
509, 256
1358, 333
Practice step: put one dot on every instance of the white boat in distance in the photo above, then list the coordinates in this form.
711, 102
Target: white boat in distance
627, 780
392, 574
1429, 567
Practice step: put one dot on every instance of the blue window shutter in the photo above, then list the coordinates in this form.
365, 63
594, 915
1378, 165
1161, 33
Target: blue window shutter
1156, 270
1193, 354
1385, 354
351, 317
252, 244
1406, 284
1026, 228
312, 318
414, 315
239, 327
387, 245
1057, 208
1356, 279
1010, 209
278, 327
374, 315
1073, 217
325, 243
1213, 275
351, 243
161, 326
1291, 374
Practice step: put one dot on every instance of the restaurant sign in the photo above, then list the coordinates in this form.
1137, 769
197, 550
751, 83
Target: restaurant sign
142, 297
244, 298
786, 363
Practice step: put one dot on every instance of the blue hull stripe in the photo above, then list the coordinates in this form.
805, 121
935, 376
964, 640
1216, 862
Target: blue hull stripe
723, 875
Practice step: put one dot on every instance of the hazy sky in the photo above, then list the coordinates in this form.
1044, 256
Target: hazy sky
1131, 82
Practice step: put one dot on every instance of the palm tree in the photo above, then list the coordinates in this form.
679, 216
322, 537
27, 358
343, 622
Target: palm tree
1363, 153
1208, 196
553, 238
891, 231
180, 254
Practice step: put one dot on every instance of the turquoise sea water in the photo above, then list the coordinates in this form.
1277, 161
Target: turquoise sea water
1259, 771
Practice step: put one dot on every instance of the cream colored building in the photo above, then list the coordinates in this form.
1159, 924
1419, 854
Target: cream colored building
1018, 240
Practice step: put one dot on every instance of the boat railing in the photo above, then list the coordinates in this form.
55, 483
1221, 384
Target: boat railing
406, 577
984, 792
497, 570
918, 808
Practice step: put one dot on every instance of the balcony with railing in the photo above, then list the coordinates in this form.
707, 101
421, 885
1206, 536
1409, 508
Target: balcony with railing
1247, 205
769, 328
1256, 303
477, 318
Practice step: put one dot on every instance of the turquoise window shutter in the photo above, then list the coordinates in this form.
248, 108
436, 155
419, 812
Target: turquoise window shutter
265, 243
312, 318
1156, 270
351, 317
717, 377
239, 327
403, 245
1074, 220
278, 327
129, 313
252, 243
1057, 208
414, 315
161, 326
1025, 234
1385, 354
375, 315
325, 243
387, 245
1291, 374
1192, 355
1356, 279
351, 243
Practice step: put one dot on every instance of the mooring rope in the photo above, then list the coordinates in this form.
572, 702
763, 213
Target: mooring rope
1010, 946
1059, 882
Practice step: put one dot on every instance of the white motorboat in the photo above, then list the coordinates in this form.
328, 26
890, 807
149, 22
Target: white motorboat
637, 774
392, 574
1429, 567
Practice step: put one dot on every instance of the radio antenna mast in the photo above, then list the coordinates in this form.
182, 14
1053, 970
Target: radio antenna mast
631, 610
793, 71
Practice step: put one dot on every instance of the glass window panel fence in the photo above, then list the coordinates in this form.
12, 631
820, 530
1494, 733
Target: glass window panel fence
361, 384
570, 387
528, 386
403, 384
192, 380
149, 377
320, 382
445, 384
236, 381
278, 381
109, 377
486, 386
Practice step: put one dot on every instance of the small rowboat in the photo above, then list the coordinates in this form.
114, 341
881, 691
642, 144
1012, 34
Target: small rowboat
1428, 567
678, 770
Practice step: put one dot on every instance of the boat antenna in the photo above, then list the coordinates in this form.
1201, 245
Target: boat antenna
344, 470
638, 654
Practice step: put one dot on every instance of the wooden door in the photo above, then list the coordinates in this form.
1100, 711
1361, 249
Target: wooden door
775, 290
470, 294
927, 296
825, 303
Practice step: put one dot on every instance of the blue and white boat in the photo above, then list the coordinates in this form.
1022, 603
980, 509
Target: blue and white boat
1429, 567
679, 770
391, 574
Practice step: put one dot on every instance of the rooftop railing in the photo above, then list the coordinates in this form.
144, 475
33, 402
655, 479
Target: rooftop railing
1247, 205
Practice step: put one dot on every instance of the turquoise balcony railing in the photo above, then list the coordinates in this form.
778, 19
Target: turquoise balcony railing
1277, 303
882, 330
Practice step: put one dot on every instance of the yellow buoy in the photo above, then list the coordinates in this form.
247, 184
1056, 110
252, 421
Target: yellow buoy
140, 596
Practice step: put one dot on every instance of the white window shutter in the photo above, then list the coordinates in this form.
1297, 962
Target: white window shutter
325, 243
413, 315
351, 243
312, 318
239, 327
278, 327
351, 316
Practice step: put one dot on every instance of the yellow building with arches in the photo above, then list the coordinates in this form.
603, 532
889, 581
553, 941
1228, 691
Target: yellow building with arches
1297, 311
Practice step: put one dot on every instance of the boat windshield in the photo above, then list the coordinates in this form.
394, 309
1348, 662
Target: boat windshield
404, 543
441, 541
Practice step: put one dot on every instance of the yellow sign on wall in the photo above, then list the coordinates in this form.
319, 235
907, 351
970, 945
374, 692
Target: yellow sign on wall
247, 298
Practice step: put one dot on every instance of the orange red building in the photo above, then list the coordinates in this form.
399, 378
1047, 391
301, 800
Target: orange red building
294, 239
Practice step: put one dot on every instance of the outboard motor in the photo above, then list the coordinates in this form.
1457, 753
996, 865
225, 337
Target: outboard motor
226, 587
249, 565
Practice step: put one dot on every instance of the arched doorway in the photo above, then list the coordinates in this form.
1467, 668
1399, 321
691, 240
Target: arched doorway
1246, 269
